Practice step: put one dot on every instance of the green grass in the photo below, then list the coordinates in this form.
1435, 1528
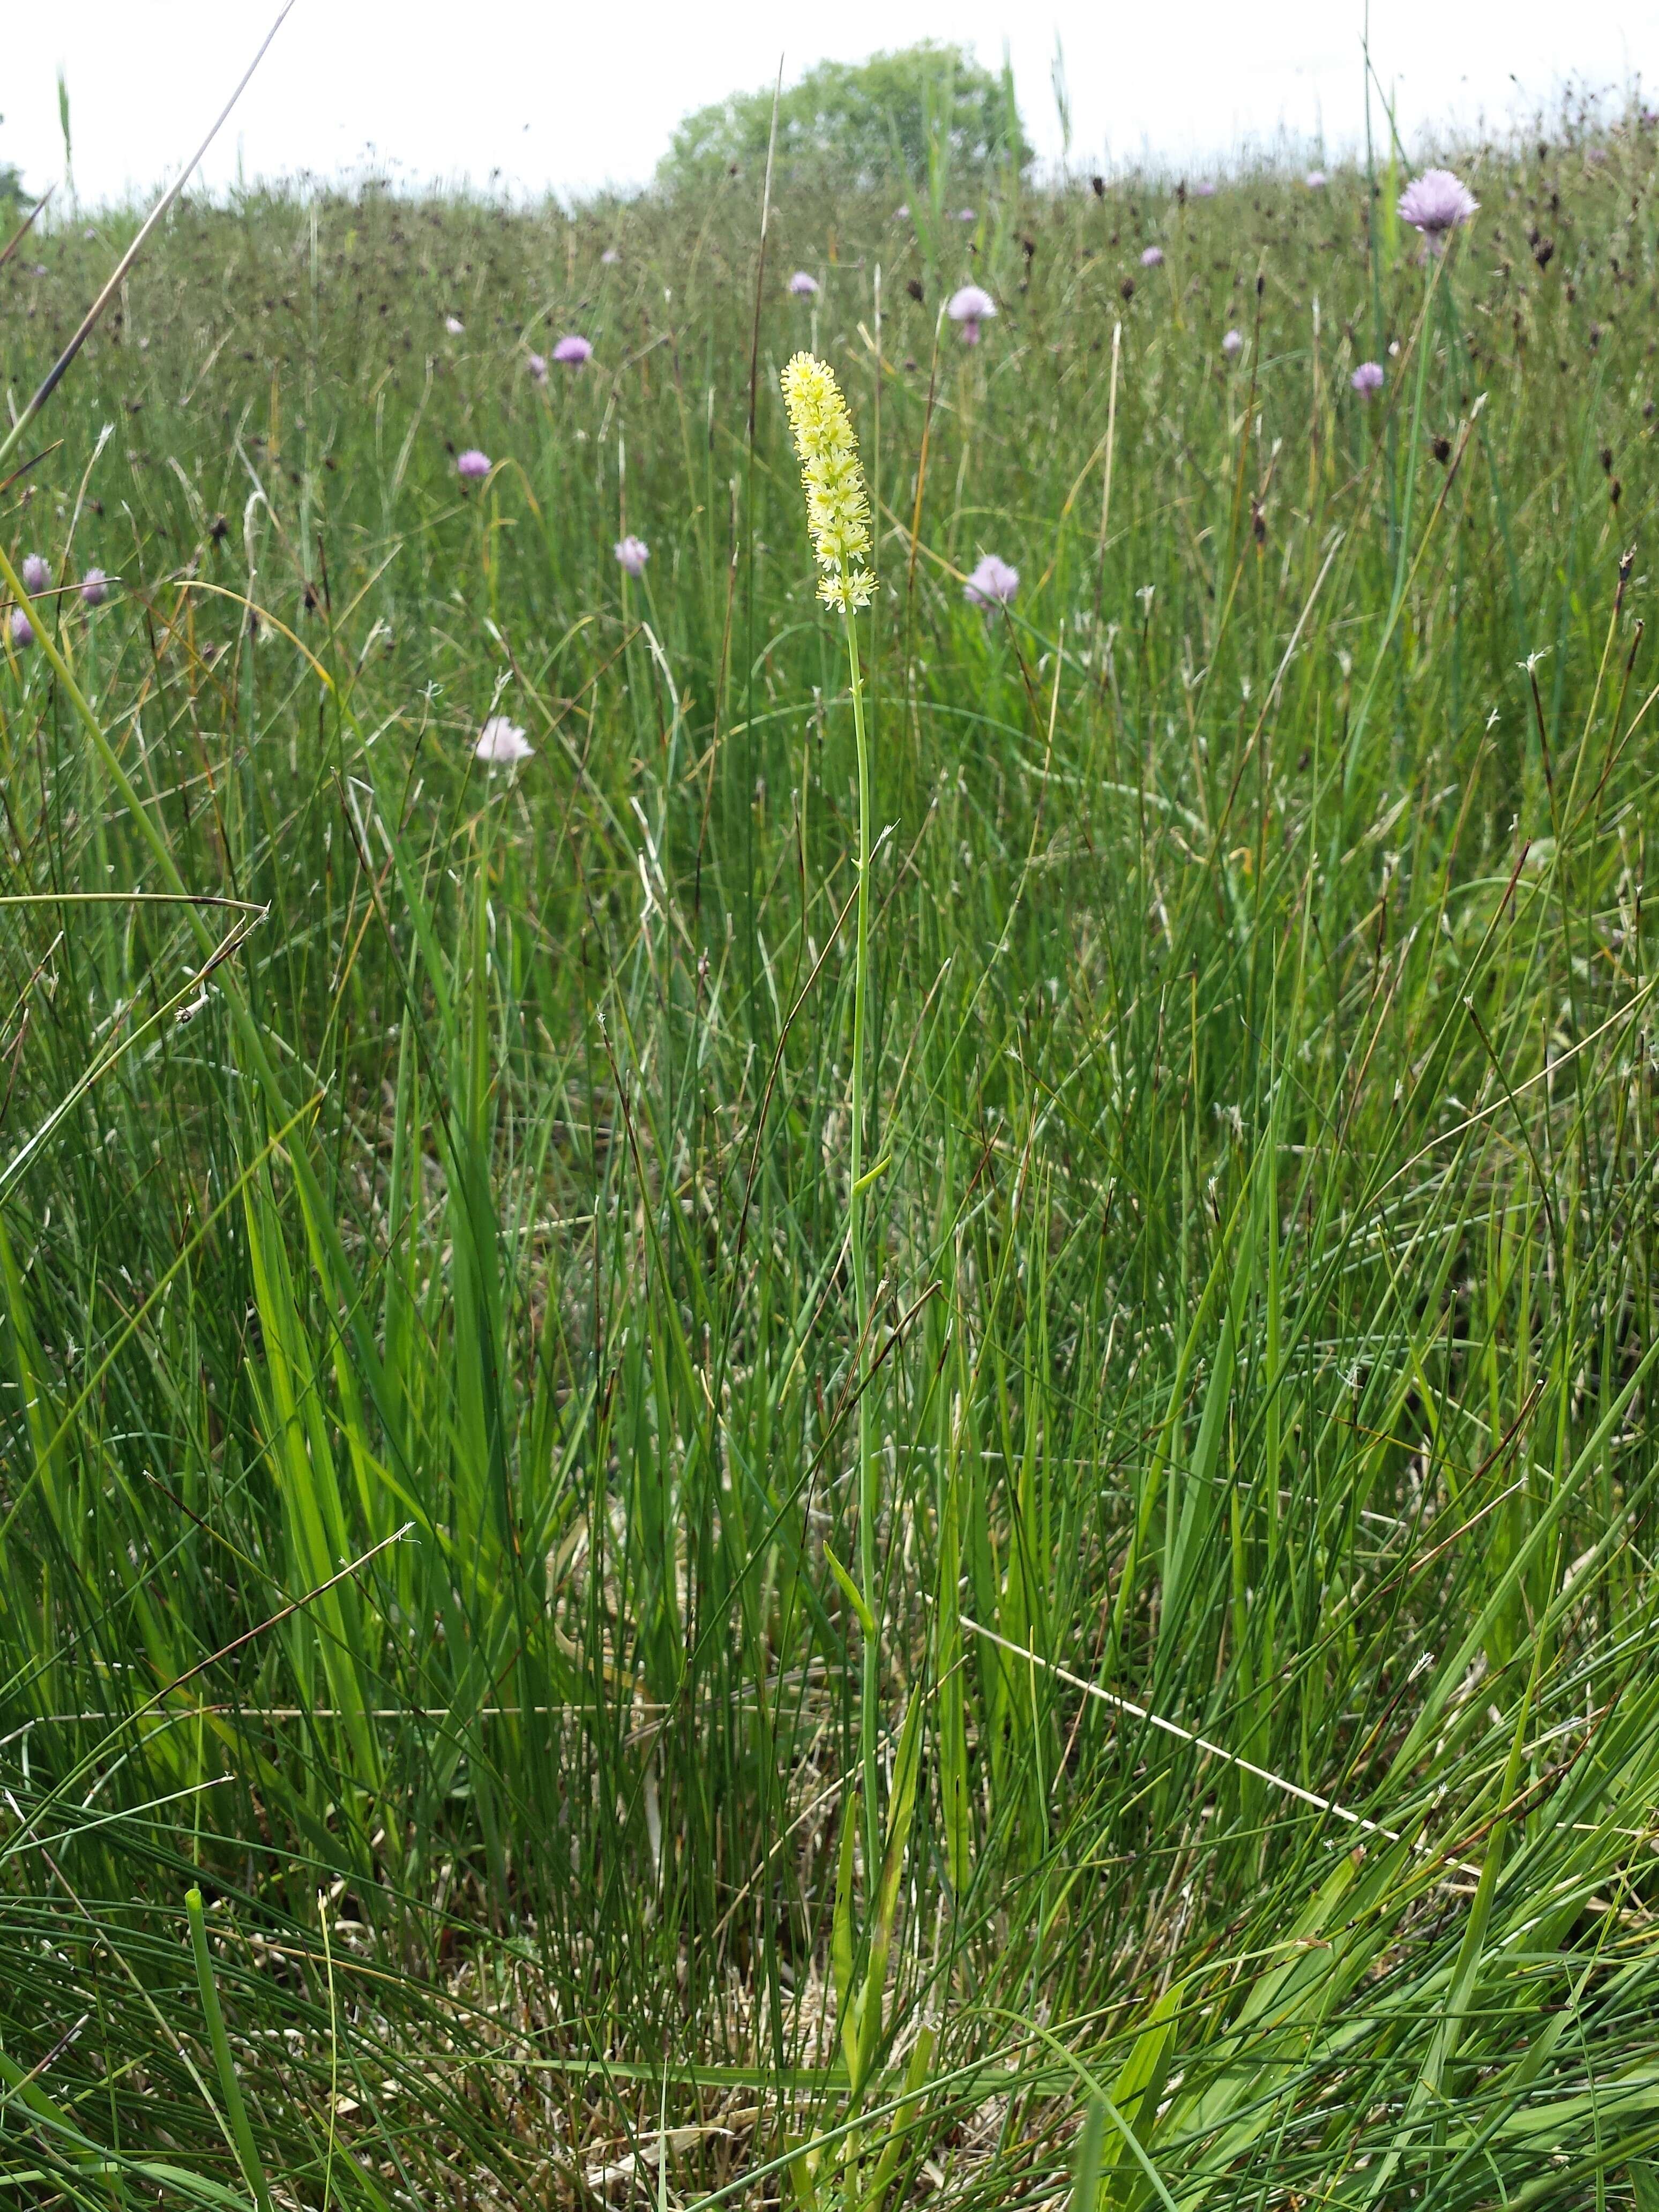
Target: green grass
430, 1391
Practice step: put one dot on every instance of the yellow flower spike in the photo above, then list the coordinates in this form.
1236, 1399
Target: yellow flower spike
837, 506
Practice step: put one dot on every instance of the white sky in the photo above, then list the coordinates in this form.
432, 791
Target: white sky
578, 95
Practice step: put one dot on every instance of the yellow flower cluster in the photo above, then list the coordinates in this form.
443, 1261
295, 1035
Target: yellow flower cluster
837, 506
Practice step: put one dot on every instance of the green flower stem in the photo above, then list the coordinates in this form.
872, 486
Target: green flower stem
869, 1498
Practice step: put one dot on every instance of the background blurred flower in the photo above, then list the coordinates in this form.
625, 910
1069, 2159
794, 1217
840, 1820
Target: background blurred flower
1437, 204
992, 584
471, 465
502, 744
574, 351
970, 306
94, 587
1316, 180
1233, 344
37, 573
23, 630
1367, 378
632, 554
610, 257
803, 286
537, 367
454, 325
1204, 190
1153, 258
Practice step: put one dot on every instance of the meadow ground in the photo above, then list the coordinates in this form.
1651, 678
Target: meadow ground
1166, 1713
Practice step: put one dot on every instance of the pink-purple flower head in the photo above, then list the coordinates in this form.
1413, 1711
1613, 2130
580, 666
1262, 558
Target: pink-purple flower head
1153, 258
1204, 189
1367, 379
573, 350
1316, 180
536, 365
1233, 344
37, 575
992, 584
1437, 204
609, 257
472, 466
970, 306
23, 630
964, 214
804, 285
94, 587
632, 554
502, 744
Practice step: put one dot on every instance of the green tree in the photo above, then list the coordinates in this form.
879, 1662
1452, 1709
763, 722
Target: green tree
869, 119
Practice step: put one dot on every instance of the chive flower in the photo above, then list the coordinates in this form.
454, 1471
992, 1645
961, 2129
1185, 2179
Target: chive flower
1367, 379
94, 587
832, 476
1315, 180
37, 575
970, 306
1233, 344
471, 465
574, 351
1437, 204
632, 554
502, 744
23, 630
1153, 258
609, 257
803, 286
992, 584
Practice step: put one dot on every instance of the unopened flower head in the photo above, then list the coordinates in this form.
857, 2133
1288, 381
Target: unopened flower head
1153, 258
993, 583
804, 285
970, 306
502, 744
1367, 379
574, 351
837, 505
1233, 344
1437, 204
94, 587
632, 554
37, 573
471, 465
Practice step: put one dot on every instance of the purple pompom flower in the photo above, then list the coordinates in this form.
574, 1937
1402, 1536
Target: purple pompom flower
1367, 379
1204, 189
502, 744
609, 257
471, 466
574, 351
23, 630
964, 214
37, 575
970, 306
536, 365
94, 587
1153, 258
1437, 204
632, 554
1315, 180
1233, 344
803, 287
992, 584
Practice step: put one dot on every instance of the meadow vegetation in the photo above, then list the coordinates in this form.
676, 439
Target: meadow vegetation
466, 1734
